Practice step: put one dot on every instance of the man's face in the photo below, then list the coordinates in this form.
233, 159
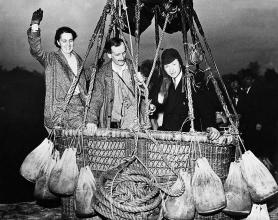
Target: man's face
173, 69
66, 42
118, 54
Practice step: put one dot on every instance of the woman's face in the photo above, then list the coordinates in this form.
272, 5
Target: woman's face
173, 69
66, 43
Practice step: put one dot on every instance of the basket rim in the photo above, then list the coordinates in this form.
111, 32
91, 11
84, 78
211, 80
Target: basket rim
224, 139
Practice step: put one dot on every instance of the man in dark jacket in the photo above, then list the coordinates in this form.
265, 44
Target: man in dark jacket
176, 104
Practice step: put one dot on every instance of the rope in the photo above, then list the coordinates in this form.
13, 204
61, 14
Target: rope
196, 19
178, 192
137, 30
137, 40
91, 43
131, 194
118, 20
99, 43
128, 25
156, 25
145, 85
108, 35
184, 17
158, 48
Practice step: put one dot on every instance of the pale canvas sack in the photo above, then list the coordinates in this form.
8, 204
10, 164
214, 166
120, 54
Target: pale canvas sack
85, 190
37, 160
64, 175
261, 184
181, 207
236, 191
208, 191
42, 191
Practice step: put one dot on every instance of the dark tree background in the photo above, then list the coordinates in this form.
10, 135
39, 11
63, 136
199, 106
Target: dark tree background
21, 129
21, 121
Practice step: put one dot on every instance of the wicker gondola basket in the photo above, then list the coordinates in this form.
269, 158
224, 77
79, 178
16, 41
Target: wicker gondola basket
110, 147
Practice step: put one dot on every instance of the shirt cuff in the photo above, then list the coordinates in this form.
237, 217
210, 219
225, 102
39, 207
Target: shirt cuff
34, 27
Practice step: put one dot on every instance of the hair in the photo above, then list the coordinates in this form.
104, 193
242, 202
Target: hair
115, 41
169, 55
62, 30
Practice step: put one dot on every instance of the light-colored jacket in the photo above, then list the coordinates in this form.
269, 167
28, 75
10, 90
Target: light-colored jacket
103, 94
58, 78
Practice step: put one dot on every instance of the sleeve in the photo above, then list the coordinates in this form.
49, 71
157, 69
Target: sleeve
97, 98
36, 50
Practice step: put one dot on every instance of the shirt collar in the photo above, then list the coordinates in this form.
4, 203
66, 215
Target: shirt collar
119, 69
177, 79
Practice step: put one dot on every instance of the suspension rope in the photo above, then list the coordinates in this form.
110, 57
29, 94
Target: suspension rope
137, 88
91, 43
158, 48
218, 91
137, 41
91, 86
128, 25
196, 19
109, 32
184, 18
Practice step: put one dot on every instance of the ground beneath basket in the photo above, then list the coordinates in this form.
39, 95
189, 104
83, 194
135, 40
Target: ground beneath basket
33, 211
28, 210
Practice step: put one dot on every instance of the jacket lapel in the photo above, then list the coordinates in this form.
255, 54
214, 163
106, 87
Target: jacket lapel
82, 80
131, 72
63, 61
69, 73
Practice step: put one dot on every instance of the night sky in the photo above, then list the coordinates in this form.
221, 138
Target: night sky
238, 31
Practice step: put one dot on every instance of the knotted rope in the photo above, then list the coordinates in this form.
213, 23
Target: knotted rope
126, 193
75, 81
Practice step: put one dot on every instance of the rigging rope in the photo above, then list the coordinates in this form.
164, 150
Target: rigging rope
91, 43
196, 19
184, 18
91, 86
128, 25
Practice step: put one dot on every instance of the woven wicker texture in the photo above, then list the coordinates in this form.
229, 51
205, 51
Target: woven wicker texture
163, 159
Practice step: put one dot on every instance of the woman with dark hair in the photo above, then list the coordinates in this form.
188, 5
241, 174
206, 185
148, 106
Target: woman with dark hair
61, 67
176, 103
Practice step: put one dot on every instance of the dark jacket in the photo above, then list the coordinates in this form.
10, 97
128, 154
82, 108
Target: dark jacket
176, 110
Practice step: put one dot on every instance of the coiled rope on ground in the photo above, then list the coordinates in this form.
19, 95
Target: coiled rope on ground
132, 195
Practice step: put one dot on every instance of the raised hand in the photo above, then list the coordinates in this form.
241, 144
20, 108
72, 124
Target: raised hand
37, 16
